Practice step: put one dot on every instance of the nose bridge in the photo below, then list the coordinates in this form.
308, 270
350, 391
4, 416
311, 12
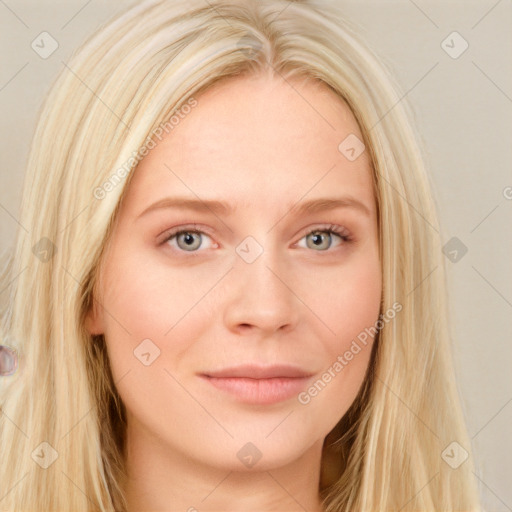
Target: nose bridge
258, 263
263, 297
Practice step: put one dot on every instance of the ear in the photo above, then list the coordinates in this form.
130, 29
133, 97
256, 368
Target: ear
94, 319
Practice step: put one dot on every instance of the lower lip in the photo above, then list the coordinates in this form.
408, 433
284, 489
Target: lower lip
260, 391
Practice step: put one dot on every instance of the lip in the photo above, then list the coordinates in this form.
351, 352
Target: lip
259, 385
254, 371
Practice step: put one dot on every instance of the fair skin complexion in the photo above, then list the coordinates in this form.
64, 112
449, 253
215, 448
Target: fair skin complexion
265, 148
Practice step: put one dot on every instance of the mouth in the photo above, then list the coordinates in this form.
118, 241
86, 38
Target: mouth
259, 385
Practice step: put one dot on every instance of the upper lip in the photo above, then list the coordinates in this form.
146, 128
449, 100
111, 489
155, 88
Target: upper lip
254, 371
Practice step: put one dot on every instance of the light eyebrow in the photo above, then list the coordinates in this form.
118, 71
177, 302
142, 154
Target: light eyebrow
186, 203
220, 207
328, 203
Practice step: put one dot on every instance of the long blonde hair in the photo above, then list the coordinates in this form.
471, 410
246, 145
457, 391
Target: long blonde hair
118, 90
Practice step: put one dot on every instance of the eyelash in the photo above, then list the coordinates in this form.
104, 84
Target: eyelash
340, 231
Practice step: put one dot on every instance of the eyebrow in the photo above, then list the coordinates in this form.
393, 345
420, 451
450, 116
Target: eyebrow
222, 208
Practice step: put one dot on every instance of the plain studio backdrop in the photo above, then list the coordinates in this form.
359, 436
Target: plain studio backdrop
453, 60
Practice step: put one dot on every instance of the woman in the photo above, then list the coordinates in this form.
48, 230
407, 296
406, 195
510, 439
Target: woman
225, 301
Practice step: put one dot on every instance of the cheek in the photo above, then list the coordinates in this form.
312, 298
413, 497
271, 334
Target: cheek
148, 294
349, 304
347, 298
153, 316
147, 301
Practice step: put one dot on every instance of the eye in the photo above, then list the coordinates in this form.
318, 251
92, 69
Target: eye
191, 239
188, 240
321, 238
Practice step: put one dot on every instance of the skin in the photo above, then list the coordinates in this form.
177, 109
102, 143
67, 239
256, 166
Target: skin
264, 146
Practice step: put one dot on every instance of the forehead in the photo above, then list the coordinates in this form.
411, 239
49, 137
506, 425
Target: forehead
256, 140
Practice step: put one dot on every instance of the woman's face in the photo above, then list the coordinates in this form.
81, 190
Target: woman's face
253, 285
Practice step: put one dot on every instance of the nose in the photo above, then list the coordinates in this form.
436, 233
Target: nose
263, 297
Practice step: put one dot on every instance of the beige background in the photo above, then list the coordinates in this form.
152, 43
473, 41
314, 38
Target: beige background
463, 108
